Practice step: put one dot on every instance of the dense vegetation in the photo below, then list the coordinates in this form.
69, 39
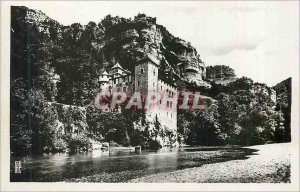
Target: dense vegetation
237, 117
52, 64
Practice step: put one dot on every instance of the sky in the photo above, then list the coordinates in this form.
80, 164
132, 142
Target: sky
257, 39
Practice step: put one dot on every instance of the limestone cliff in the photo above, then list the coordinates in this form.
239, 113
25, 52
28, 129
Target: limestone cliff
117, 39
283, 93
283, 105
220, 74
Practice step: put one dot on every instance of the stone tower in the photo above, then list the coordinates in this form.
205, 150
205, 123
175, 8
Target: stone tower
104, 90
146, 76
104, 81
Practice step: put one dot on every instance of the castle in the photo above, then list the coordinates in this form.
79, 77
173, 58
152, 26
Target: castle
144, 80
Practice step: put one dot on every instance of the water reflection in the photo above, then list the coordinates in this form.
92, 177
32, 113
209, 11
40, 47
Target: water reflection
161, 161
120, 165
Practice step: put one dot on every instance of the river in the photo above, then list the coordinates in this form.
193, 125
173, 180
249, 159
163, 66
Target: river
118, 166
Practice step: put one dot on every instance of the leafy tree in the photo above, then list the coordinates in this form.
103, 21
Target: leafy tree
20, 135
228, 109
76, 142
41, 119
157, 127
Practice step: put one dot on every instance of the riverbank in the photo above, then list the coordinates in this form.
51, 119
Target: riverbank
271, 164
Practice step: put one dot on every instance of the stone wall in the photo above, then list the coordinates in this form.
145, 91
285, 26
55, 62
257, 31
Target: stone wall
145, 80
168, 114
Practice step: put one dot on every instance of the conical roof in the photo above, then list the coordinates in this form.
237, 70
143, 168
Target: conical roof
104, 73
103, 77
117, 65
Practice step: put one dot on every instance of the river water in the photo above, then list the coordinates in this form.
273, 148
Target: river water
118, 166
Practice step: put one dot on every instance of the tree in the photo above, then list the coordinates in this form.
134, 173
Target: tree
20, 142
157, 128
228, 109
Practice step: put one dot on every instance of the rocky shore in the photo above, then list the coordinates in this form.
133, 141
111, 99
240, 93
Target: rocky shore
271, 164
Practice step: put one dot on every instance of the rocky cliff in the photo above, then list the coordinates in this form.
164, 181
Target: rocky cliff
220, 74
283, 93
117, 39
283, 105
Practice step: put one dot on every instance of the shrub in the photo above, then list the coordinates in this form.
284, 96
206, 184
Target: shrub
59, 144
76, 142
154, 145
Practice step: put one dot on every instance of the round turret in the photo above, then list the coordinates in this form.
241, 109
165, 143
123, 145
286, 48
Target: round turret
103, 77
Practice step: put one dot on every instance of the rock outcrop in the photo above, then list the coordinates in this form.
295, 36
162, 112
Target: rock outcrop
283, 93
220, 74
117, 39
283, 105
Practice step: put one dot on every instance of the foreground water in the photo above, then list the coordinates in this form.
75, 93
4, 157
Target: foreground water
118, 166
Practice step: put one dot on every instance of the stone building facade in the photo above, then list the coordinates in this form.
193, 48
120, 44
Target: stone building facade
145, 80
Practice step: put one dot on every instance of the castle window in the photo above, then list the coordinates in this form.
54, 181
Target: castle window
154, 72
167, 103
142, 71
153, 84
115, 81
161, 88
124, 89
138, 83
171, 105
171, 115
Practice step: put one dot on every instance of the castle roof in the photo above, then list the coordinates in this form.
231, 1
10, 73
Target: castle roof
104, 73
153, 59
150, 58
103, 77
117, 65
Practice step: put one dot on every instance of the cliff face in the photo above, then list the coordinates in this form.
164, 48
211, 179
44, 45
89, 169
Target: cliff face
283, 106
283, 93
117, 39
220, 74
127, 41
